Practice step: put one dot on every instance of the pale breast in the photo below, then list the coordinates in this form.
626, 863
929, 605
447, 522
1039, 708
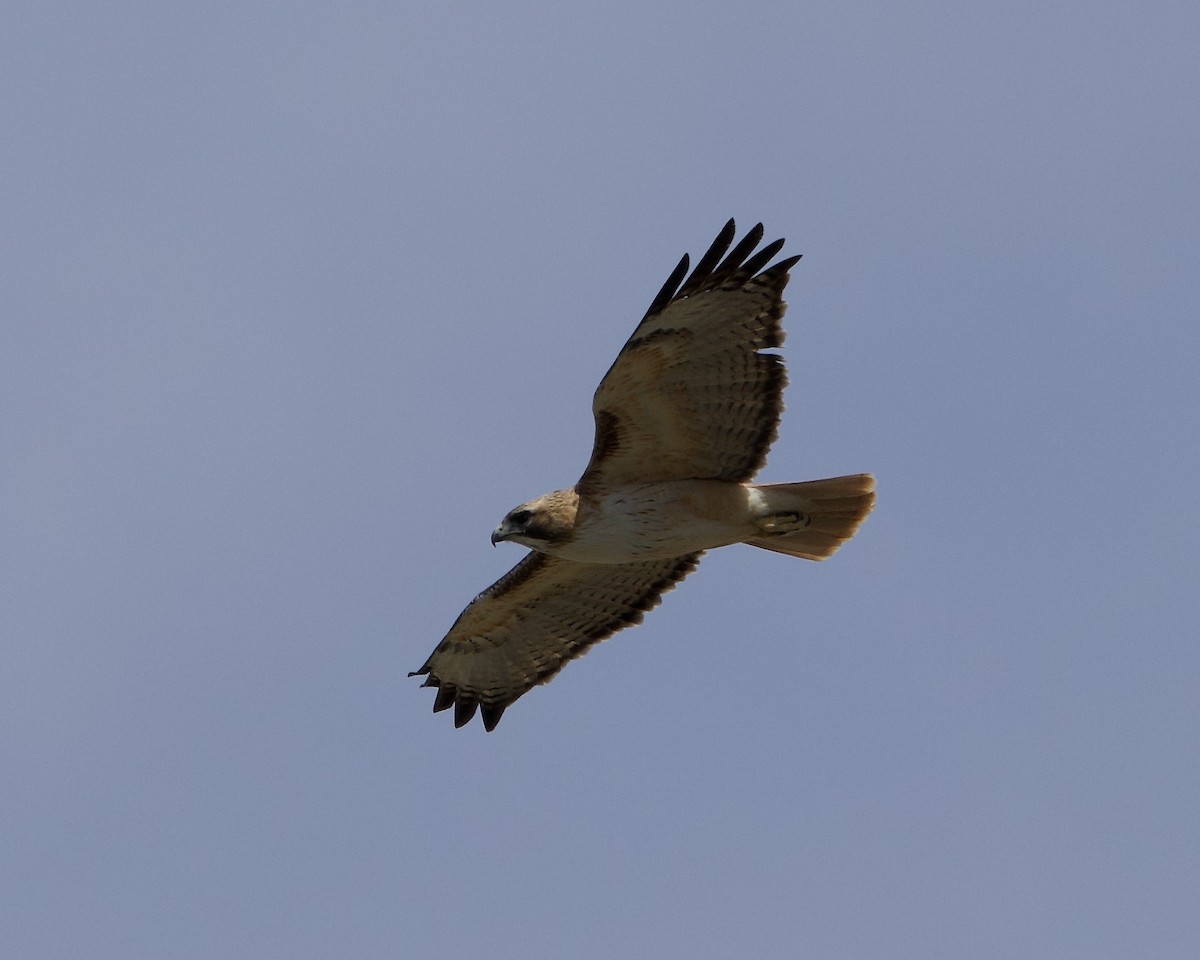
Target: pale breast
658, 520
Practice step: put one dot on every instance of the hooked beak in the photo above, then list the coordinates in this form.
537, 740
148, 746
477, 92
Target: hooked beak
502, 532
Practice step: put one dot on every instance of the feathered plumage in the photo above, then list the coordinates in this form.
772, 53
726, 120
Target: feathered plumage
684, 419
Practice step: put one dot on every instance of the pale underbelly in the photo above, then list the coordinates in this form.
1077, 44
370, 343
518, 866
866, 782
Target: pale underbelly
659, 521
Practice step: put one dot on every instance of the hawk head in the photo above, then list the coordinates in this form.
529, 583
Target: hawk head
540, 523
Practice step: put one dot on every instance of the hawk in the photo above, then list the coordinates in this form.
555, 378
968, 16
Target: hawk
684, 419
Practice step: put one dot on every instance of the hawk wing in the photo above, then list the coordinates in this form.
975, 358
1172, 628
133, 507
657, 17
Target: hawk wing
525, 627
691, 395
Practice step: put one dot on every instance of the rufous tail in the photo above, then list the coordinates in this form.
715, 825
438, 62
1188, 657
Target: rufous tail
814, 518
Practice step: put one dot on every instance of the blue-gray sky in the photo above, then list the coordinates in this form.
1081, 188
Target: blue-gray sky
299, 299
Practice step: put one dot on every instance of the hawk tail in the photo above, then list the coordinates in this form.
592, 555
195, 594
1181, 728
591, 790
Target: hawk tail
814, 518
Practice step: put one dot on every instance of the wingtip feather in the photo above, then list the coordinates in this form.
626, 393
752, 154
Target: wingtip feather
444, 699
464, 710
491, 714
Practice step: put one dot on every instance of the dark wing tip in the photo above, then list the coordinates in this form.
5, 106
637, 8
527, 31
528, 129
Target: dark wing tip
740, 263
464, 706
491, 714
667, 293
760, 259
733, 261
783, 266
445, 698
709, 261
464, 710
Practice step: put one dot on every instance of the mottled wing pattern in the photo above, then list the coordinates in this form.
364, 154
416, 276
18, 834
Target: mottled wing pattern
525, 627
691, 394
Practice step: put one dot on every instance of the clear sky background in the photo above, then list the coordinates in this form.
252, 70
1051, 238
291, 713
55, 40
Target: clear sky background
299, 299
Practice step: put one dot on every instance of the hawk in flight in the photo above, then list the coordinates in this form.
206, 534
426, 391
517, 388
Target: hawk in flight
684, 418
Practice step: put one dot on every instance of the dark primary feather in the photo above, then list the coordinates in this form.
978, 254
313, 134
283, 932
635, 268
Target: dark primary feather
669, 289
711, 258
707, 274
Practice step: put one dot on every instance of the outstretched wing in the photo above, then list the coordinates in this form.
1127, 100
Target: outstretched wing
525, 627
691, 394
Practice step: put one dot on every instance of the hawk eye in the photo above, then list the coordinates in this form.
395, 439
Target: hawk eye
520, 517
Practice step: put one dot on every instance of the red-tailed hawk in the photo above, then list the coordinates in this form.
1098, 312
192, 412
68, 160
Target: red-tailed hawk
684, 418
